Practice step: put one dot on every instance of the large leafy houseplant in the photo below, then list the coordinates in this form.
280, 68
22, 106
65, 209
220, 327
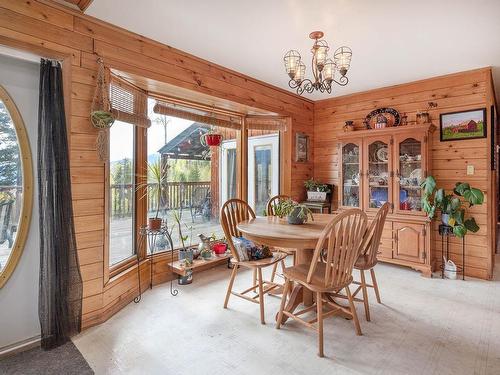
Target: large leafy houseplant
451, 205
154, 184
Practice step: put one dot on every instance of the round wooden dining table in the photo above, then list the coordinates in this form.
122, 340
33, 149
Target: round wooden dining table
275, 232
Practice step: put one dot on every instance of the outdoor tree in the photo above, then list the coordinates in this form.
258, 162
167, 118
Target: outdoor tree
10, 166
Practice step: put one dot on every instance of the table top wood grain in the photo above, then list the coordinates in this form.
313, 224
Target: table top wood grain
273, 231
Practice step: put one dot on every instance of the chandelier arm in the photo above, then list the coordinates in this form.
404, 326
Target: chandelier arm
293, 84
342, 81
305, 85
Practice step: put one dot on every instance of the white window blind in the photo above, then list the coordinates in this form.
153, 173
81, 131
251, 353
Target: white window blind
128, 103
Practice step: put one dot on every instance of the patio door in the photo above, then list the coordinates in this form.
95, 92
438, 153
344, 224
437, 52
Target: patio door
263, 170
228, 171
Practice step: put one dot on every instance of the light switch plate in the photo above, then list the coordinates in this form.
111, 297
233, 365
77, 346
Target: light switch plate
470, 170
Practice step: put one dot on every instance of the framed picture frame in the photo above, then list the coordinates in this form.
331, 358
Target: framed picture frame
461, 125
301, 148
493, 137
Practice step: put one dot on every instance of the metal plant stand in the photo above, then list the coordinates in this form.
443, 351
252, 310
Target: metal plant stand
150, 236
446, 232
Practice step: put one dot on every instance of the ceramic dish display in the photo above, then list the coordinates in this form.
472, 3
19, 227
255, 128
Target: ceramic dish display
389, 116
383, 154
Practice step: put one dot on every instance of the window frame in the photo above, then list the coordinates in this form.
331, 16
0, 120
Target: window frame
140, 157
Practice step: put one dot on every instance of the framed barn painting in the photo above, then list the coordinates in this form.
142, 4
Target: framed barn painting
469, 124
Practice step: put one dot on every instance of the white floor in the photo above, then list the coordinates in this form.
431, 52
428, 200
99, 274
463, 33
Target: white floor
424, 326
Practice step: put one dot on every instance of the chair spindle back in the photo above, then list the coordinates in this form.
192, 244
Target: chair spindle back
371, 242
342, 239
233, 212
271, 203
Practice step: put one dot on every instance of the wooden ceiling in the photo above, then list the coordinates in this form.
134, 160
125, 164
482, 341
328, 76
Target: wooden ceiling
81, 4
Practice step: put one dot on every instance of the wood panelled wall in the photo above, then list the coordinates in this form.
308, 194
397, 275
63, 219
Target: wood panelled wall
51, 30
449, 160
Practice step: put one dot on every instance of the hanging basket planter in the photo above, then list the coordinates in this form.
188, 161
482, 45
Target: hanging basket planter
211, 139
102, 119
101, 116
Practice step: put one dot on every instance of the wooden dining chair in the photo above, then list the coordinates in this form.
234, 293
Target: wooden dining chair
340, 242
368, 258
271, 211
232, 213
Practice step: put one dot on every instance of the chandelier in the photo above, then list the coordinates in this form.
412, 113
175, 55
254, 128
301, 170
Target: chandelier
323, 68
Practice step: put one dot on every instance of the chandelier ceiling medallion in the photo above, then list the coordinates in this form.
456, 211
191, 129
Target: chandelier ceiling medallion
323, 68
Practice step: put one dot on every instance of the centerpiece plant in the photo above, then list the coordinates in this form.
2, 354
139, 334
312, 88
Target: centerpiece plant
452, 205
296, 213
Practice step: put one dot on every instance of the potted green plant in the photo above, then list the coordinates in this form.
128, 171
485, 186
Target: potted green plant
451, 205
154, 183
316, 191
295, 212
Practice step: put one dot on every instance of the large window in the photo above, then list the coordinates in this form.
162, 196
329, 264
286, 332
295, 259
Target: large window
199, 178
121, 192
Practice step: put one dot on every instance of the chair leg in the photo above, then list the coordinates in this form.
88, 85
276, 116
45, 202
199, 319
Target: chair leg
254, 277
230, 286
353, 311
283, 301
365, 295
261, 296
375, 285
319, 306
273, 273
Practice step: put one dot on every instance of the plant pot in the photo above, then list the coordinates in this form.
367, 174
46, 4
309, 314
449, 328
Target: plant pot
445, 218
212, 139
318, 196
294, 218
219, 248
154, 223
186, 279
206, 255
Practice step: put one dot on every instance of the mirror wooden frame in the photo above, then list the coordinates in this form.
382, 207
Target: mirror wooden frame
27, 203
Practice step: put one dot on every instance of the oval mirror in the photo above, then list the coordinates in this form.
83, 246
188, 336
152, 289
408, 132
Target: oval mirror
16, 186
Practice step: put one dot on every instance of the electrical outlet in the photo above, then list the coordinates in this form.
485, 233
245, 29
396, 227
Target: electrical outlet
470, 170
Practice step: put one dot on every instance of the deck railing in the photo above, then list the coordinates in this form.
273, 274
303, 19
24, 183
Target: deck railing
176, 195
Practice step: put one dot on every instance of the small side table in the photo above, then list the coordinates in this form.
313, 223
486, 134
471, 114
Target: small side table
149, 237
320, 206
446, 231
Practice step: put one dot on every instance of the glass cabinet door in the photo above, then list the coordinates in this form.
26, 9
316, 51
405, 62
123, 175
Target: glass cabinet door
350, 175
410, 172
378, 173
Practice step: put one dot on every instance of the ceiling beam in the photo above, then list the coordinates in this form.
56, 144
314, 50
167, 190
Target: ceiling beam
82, 5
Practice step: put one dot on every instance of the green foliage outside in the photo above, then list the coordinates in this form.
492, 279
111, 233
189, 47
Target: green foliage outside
188, 170
10, 165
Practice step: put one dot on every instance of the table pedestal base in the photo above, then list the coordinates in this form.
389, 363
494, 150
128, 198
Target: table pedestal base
297, 298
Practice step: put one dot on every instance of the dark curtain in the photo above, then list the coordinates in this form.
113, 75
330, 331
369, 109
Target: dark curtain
60, 295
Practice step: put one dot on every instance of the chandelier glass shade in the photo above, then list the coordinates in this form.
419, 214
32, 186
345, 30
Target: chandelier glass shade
324, 69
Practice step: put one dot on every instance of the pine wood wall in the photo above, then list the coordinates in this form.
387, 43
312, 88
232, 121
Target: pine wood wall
449, 160
51, 30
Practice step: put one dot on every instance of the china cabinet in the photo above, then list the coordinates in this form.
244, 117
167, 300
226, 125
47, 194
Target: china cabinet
388, 165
